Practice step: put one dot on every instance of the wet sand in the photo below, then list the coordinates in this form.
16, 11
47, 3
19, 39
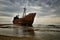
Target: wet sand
39, 36
39, 33
2, 37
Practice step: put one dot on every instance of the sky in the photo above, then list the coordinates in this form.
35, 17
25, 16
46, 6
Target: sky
47, 11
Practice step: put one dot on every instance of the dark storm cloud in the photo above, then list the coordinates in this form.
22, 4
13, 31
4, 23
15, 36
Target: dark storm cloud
9, 7
48, 7
56, 6
52, 5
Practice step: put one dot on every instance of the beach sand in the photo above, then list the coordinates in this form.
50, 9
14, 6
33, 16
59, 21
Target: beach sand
3, 37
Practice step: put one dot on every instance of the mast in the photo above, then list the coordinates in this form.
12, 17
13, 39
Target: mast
24, 13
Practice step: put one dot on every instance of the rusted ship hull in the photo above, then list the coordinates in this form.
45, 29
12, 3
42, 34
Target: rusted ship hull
27, 20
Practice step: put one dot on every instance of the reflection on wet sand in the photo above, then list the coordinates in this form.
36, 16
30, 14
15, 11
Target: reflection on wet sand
28, 30
24, 30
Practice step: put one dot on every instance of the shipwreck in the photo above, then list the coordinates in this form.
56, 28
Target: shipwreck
25, 20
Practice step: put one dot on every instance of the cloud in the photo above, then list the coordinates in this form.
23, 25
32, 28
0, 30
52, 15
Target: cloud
45, 9
41, 7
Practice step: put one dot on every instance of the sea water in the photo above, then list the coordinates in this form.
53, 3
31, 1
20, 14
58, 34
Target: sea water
41, 32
